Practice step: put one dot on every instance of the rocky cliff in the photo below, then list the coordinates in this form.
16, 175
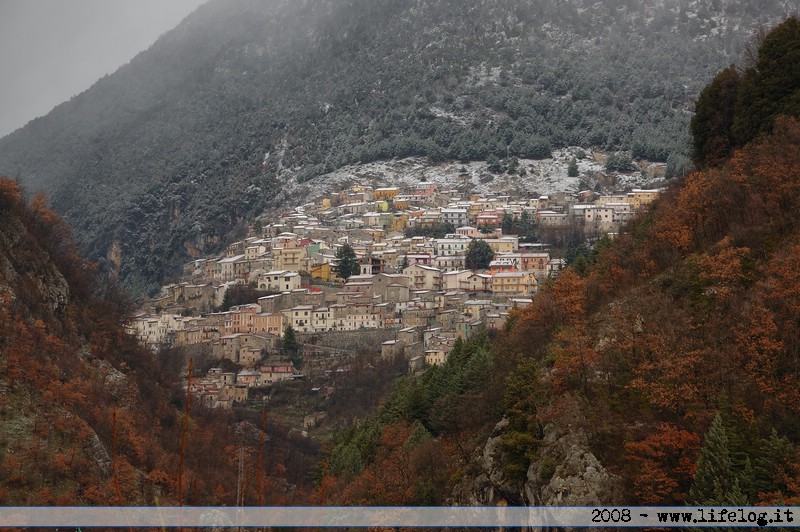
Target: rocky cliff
565, 472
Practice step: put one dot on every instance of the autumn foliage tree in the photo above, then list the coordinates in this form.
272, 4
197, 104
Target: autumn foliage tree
96, 421
692, 307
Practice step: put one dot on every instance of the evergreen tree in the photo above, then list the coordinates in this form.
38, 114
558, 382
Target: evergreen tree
771, 87
525, 223
713, 119
479, 255
620, 162
227, 300
715, 481
290, 341
572, 169
494, 165
346, 262
772, 466
507, 225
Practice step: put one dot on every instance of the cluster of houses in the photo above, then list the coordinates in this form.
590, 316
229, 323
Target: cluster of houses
417, 286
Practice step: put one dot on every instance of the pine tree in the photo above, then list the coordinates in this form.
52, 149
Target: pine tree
715, 481
290, 340
572, 169
479, 255
772, 466
346, 262
713, 118
771, 87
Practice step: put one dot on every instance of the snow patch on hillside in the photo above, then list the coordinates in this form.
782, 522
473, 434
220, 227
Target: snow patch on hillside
540, 177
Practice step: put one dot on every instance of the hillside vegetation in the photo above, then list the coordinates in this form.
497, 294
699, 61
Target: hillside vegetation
161, 160
87, 417
675, 350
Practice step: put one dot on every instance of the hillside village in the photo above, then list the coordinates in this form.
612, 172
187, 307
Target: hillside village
413, 291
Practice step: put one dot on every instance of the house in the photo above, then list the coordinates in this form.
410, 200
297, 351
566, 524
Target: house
505, 264
312, 420
450, 263
468, 232
249, 356
418, 258
552, 219
424, 277
231, 345
276, 373
475, 309
505, 244
291, 256
386, 193
488, 219
271, 323
477, 282
231, 268
322, 319
455, 216
324, 272
240, 318
355, 284
390, 349
496, 320
386, 286
424, 189
279, 281
514, 283
533, 262
451, 245
435, 357
409, 335
640, 198
249, 377
464, 328
455, 280
300, 319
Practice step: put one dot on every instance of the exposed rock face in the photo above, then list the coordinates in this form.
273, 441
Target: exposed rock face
565, 473
38, 277
100, 454
578, 477
489, 486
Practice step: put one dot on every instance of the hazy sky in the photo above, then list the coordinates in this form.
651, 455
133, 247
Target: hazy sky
51, 50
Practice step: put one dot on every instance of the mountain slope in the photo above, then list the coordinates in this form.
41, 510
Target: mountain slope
163, 158
87, 416
662, 370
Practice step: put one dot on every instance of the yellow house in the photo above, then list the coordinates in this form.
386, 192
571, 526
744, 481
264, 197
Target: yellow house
386, 193
288, 258
514, 283
376, 234
325, 203
382, 206
399, 222
324, 272
641, 198
507, 244
400, 202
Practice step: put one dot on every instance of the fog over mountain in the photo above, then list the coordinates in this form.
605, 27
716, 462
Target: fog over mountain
52, 50
164, 158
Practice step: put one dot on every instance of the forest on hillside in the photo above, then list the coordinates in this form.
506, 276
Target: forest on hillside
167, 157
674, 349
89, 417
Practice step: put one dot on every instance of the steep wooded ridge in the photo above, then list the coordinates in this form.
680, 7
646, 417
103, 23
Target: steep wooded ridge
162, 159
87, 417
664, 371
